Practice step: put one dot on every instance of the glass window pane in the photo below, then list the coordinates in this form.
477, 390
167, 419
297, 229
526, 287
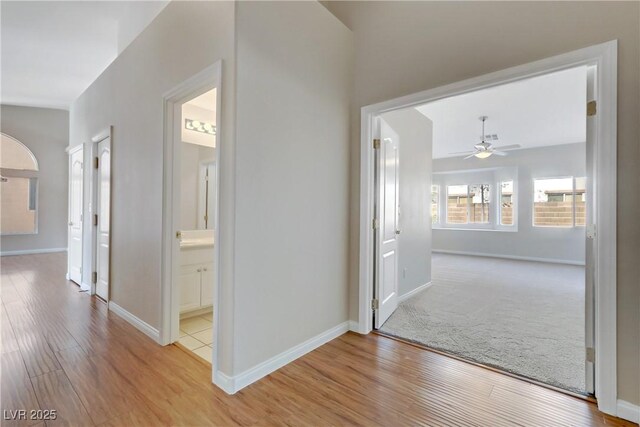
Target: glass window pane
506, 203
553, 202
581, 193
17, 197
457, 204
479, 208
435, 195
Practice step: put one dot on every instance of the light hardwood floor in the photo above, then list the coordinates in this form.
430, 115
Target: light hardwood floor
62, 349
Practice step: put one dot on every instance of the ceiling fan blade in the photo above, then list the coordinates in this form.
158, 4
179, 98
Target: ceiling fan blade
499, 153
469, 156
508, 147
457, 153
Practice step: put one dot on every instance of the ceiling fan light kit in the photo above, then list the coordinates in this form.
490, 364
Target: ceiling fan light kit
484, 149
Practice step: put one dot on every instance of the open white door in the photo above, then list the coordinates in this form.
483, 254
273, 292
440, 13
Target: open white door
387, 228
590, 246
74, 233
104, 217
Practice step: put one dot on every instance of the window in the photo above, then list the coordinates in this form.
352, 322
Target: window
19, 191
468, 204
559, 202
479, 207
506, 203
580, 200
435, 204
457, 209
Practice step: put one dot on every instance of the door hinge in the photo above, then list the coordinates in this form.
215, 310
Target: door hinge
375, 304
95, 162
375, 223
376, 143
95, 219
591, 108
591, 354
178, 235
94, 277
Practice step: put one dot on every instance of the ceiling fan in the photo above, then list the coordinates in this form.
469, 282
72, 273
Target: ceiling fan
485, 149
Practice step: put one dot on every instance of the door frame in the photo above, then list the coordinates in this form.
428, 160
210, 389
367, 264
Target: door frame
71, 151
604, 57
205, 80
93, 204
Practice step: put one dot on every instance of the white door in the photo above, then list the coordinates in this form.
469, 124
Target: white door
74, 237
590, 240
104, 217
206, 287
386, 283
190, 278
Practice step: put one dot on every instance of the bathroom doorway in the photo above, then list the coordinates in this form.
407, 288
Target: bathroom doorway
190, 272
197, 206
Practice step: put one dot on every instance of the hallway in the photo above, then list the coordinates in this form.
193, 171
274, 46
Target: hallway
62, 350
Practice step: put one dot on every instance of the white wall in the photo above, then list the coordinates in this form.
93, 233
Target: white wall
415, 132
45, 132
550, 243
293, 95
284, 179
184, 39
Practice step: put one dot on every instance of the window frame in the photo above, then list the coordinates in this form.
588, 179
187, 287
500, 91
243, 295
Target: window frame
33, 176
573, 201
468, 225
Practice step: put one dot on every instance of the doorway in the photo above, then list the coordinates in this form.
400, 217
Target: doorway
505, 227
190, 276
600, 262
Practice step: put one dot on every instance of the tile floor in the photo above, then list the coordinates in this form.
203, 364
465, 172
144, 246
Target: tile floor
196, 334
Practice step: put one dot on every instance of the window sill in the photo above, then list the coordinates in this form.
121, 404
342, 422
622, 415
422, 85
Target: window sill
499, 230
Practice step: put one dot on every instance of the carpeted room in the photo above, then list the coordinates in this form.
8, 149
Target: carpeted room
503, 281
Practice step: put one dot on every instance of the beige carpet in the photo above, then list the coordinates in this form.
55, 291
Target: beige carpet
520, 316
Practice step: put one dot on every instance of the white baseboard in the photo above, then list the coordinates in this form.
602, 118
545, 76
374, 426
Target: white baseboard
414, 292
515, 257
139, 324
628, 411
236, 383
225, 382
86, 287
354, 326
33, 251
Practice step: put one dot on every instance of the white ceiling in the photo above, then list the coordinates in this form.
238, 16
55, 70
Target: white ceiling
541, 111
53, 50
207, 101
